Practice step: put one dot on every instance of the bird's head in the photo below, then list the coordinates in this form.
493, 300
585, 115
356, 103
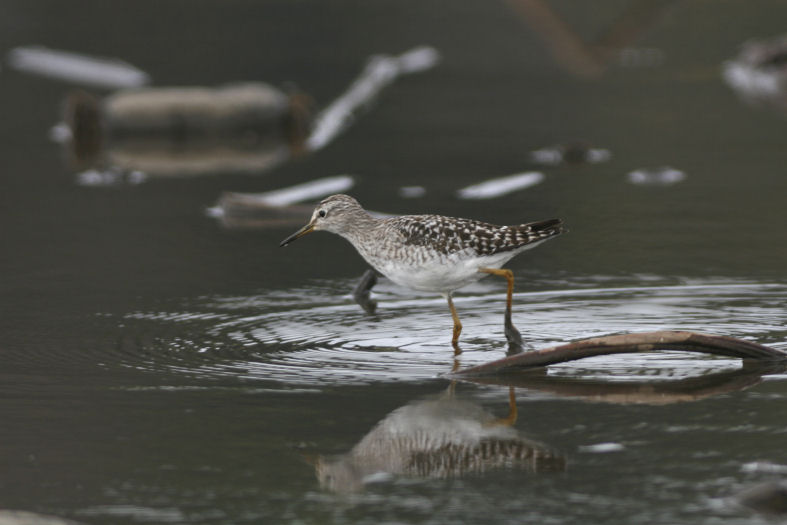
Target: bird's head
335, 214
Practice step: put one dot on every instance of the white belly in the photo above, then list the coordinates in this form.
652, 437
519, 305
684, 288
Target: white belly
438, 274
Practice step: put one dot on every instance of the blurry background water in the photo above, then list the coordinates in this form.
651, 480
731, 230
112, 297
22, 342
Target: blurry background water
158, 367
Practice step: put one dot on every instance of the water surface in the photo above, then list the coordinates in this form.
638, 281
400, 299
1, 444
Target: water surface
156, 367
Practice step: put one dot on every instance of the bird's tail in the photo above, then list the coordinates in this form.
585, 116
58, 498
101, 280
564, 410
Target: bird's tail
534, 233
544, 229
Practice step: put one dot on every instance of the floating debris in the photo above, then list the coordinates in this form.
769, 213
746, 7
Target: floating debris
501, 186
237, 128
639, 391
759, 73
60, 133
629, 343
303, 192
381, 71
21, 517
110, 177
235, 212
663, 176
571, 153
602, 448
254, 210
764, 466
183, 113
186, 131
412, 192
77, 68
768, 498
592, 58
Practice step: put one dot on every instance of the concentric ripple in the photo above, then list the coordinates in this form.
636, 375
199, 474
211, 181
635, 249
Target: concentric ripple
316, 335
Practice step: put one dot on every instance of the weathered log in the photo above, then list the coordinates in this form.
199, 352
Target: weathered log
628, 343
641, 392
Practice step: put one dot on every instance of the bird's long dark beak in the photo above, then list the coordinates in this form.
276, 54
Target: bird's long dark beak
300, 233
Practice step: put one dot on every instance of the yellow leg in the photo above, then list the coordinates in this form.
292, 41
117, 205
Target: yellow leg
508, 276
457, 325
510, 419
451, 390
512, 411
512, 334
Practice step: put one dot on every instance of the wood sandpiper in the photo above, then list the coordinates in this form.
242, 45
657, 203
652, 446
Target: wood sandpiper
430, 252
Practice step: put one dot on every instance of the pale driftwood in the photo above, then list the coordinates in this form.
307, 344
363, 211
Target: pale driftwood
628, 343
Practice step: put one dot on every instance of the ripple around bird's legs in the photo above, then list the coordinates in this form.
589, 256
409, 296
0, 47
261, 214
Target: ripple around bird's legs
278, 337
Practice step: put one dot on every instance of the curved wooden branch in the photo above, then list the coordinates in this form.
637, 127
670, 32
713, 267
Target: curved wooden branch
629, 343
647, 391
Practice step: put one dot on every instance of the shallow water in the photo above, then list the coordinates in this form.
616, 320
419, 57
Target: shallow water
158, 367
330, 339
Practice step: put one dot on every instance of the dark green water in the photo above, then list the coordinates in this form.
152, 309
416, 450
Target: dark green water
158, 368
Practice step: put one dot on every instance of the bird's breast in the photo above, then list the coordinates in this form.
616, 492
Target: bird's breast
427, 270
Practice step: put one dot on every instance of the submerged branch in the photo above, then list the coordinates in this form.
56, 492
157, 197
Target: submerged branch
629, 343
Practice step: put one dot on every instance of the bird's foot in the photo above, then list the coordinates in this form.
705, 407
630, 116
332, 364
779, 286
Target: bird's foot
362, 289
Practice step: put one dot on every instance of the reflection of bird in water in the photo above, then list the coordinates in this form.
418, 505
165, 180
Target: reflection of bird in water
430, 252
441, 437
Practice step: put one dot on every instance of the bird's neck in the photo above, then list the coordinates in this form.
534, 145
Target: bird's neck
363, 230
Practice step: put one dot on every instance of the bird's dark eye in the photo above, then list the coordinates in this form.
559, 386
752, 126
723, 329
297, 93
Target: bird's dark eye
321, 213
